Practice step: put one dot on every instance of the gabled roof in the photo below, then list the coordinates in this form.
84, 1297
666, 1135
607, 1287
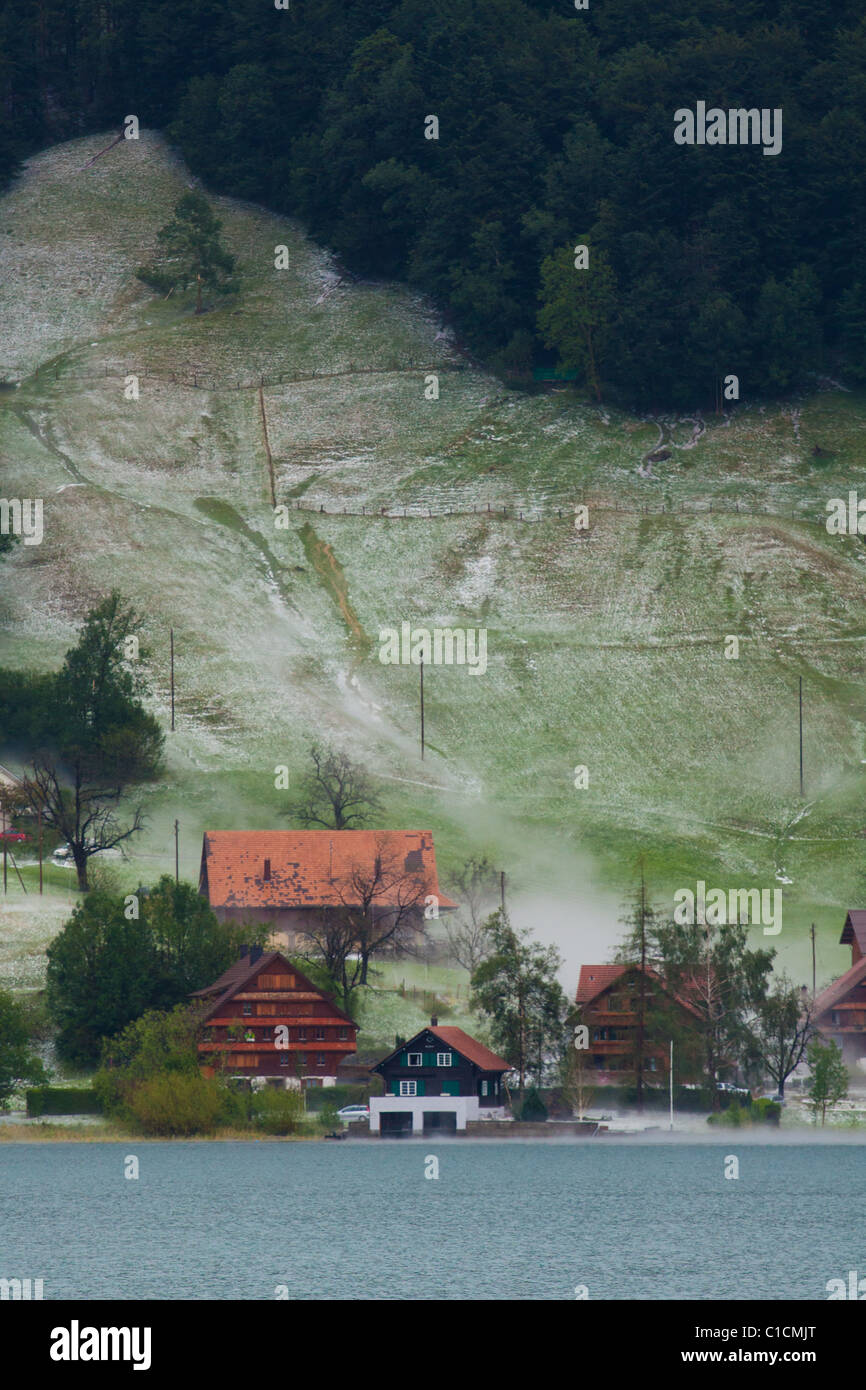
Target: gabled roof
835, 992
595, 979
458, 1041
470, 1048
242, 972
314, 868
855, 929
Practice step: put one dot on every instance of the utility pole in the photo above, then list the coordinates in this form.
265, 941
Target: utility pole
502, 890
672, 1082
171, 636
176, 864
422, 711
39, 817
641, 1026
813, 962
801, 736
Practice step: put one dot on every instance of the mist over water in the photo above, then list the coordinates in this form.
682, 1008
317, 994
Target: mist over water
371, 1227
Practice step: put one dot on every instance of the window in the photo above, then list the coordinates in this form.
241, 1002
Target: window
408, 1088
320, 1035
344, 1033
443, 1059
320, 1060
249, 1035
266, 1034
302, 1059
284, 1059
484, 1088
415, 1059
248, 1008
302, 1035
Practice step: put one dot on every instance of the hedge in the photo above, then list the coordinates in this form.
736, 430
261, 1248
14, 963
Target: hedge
63, 1100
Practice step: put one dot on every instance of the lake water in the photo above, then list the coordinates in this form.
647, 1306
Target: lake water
507, 1220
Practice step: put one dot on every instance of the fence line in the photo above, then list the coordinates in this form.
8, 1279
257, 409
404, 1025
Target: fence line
529, 514
203, 381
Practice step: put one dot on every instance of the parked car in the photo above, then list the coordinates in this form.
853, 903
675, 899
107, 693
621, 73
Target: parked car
354, 1112
774, 1096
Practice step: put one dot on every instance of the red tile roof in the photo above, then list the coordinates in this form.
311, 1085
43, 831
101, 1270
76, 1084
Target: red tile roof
594, 979
855, 929
835, 992
242, 972
470, 1049
313, 868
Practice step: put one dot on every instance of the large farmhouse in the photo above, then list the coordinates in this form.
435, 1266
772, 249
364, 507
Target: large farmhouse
840, 1009
608, 997
437, 1081
264, 1018
288, 878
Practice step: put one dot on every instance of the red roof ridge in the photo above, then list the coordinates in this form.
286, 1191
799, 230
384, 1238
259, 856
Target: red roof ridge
314, 868
235, 982
833, 992
469, 1047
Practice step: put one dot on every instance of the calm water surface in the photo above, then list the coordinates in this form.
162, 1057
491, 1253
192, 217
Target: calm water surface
504, 1220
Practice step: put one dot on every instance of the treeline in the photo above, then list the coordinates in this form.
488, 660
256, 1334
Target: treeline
555, 127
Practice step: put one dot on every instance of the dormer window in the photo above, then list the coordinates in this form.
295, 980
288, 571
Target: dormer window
267, 871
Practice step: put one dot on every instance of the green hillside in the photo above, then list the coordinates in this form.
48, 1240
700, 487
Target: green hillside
605, 646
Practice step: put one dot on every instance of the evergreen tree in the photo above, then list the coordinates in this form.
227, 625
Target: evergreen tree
517, 989
191, 253
829, 1080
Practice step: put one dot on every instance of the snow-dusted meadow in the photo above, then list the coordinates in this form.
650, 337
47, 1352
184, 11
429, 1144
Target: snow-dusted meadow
605, 646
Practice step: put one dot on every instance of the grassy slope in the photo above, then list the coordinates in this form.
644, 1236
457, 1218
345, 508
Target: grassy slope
604, 649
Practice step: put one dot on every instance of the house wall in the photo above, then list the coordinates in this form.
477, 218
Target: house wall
464, 1107
462, 1078
289, 925
242, 1035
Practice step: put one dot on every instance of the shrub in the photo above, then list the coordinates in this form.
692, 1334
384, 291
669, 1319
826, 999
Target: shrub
177, 1104
328, 1117
63, 1100
533, 1107
734, 1115
277, 1112
327, 1097
766, 1112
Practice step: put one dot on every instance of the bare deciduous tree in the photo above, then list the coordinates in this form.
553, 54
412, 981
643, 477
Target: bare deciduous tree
469, 936
336, 793
83, 812
380, 907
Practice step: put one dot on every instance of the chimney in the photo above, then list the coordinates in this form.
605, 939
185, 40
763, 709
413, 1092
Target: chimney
255, 954
434, 1021
267, 873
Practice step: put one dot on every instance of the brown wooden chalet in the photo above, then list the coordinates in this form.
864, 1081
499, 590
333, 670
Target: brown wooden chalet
609, 1000
264, 1018
840, 1009
288, 878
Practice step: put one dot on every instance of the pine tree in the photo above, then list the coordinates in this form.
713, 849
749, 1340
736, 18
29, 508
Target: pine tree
191, 253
